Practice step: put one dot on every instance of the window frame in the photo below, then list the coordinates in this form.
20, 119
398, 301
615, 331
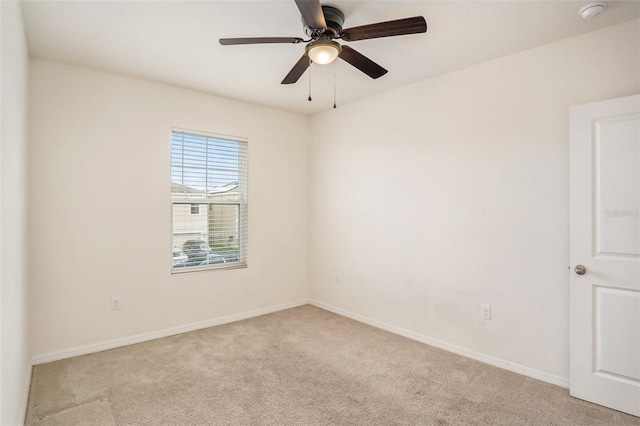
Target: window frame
241, 202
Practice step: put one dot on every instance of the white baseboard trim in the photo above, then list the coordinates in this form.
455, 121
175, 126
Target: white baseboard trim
144, 337
25, 396
487, 359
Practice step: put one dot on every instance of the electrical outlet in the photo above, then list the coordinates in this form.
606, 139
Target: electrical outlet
115, 303
485, 312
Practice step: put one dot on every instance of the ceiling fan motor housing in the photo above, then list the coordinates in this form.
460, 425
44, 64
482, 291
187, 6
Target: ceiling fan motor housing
334, 19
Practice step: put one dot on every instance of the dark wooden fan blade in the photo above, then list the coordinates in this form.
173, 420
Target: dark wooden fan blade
312, 14
361, 62
398, 27
298, 69
259, 40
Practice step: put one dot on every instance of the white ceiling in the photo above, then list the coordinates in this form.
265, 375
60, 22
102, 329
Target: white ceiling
176, 42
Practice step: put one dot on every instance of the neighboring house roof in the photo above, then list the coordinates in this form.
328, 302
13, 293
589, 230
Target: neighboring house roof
183, 189
230, 187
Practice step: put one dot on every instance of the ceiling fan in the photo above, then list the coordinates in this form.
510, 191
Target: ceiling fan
323, 24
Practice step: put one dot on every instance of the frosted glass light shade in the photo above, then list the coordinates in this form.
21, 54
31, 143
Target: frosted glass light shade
323, 52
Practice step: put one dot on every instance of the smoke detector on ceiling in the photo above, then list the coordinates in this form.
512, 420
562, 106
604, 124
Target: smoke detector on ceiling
592, 10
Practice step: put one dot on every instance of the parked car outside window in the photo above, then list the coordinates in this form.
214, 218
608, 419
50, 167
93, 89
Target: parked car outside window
199, 253
179, 258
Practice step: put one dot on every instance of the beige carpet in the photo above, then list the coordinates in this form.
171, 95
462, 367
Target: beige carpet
302, 366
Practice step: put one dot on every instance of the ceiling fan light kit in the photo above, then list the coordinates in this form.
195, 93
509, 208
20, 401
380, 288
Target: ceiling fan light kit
323, 51
323, 24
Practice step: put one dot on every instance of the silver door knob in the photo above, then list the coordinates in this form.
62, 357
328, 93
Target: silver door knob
580, 270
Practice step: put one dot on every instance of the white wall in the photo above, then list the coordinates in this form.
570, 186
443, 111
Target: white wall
99, 153
432, 199
15, 357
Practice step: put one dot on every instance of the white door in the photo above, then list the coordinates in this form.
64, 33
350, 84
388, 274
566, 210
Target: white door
605, 240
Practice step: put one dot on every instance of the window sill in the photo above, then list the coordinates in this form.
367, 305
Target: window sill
222, 267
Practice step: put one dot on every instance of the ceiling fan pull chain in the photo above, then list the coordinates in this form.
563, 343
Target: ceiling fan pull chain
309, 99
334, 87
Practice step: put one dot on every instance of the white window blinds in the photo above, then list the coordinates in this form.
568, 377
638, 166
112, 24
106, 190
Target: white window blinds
209, 201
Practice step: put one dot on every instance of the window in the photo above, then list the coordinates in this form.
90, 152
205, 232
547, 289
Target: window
209, 201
